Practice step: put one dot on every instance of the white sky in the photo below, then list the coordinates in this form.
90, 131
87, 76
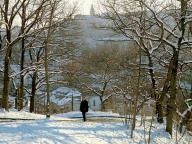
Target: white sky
86, 5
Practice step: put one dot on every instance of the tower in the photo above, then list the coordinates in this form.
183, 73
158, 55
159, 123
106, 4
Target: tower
92, 11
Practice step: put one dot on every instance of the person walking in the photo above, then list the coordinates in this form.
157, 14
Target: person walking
84, 106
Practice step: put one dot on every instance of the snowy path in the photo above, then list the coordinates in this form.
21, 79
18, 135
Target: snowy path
100, 128
52, 132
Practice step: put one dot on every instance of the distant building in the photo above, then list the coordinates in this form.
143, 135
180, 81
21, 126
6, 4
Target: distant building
94, 103
92, 11
95, 36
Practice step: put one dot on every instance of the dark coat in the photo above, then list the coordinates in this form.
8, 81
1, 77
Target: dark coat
84, 106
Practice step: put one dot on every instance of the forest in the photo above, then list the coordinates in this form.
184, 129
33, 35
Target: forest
43, 38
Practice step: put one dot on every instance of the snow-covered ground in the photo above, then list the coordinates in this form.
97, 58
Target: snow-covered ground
64, 129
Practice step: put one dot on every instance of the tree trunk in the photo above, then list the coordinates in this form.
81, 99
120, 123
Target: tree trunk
46, 56
16, 99
163, 93
102, 106
21, 96
159, 111
171, 106
32, 97
137, 94
155, 93
5, 98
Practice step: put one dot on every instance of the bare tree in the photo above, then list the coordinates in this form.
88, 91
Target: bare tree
161, 30
9, 13
29, 18
34, 24
99, 70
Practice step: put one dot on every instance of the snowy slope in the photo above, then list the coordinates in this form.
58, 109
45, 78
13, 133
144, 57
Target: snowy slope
60, 129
